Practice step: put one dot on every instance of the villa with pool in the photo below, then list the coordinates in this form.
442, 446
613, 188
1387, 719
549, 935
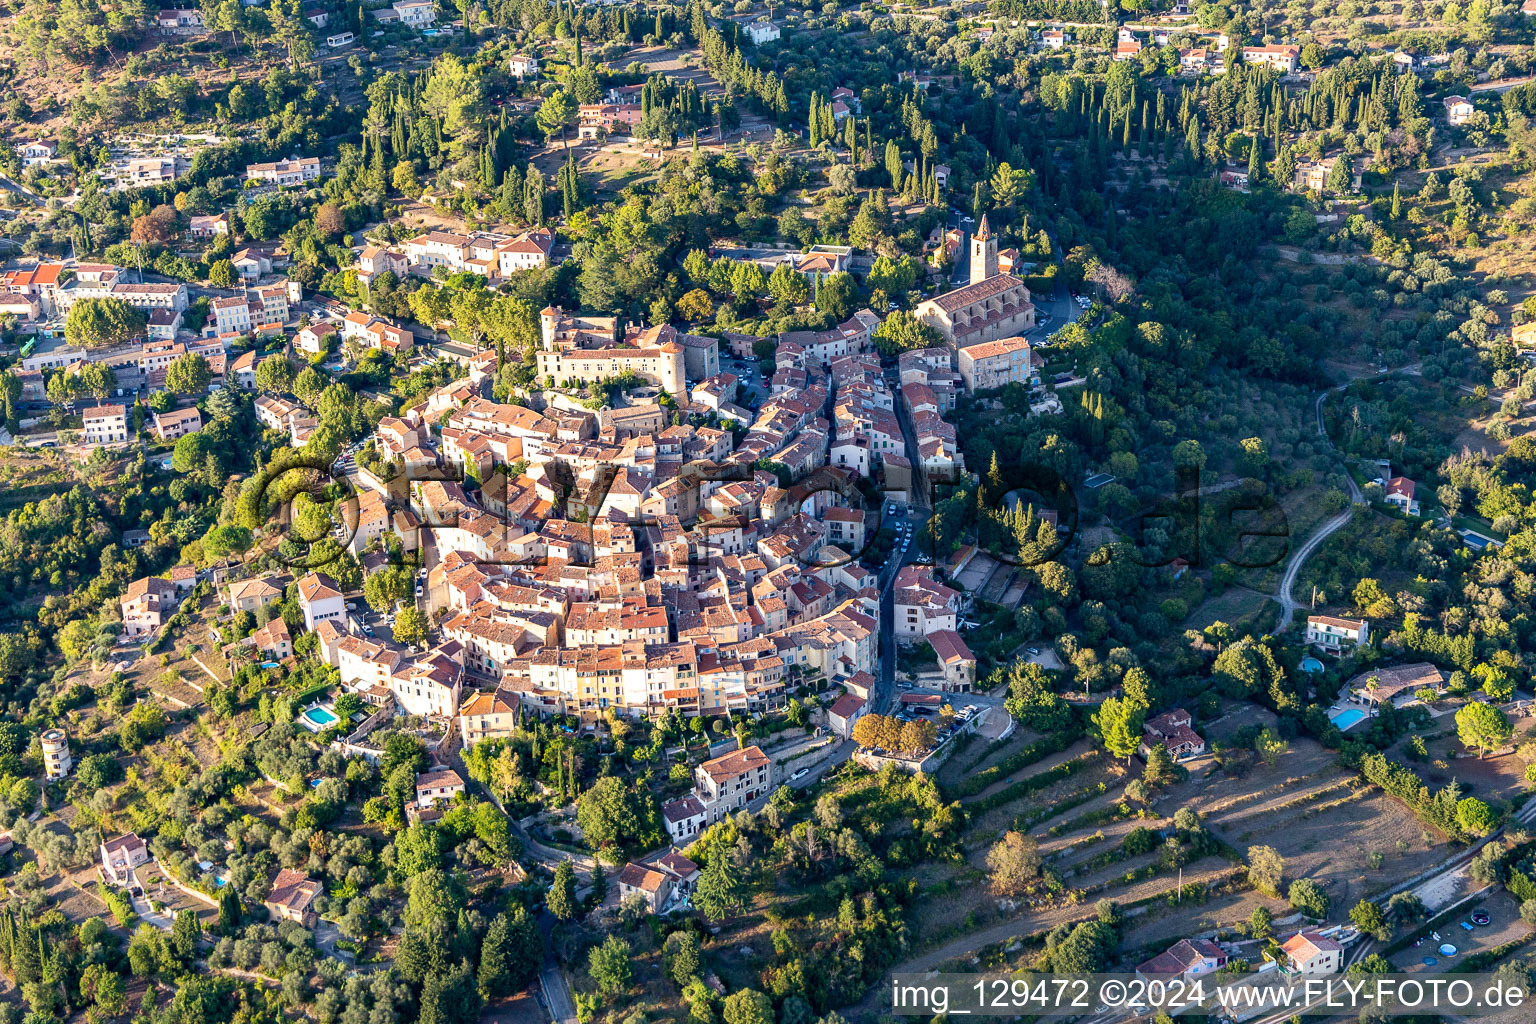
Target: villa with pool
1398, 686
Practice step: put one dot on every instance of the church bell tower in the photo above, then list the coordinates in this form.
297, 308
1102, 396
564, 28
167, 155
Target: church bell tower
983, 252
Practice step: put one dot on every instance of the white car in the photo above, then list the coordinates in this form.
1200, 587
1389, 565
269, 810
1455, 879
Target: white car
802, 773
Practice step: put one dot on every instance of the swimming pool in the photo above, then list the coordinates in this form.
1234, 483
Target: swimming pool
1347, 718
316, 719
1311, 665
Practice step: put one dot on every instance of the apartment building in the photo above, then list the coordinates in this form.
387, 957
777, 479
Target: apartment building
105, 424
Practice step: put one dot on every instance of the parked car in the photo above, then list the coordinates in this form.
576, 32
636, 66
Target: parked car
802, 773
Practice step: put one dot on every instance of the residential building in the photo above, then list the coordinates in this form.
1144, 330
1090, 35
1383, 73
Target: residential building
1397, 686
1458, 109
922, 604
523, 65
417, 14
992, 364
105, 424
439, 785
1187, 958
274, 640
43, 283
251, 595
845, 713
727, 784
320, 600
598, 120
762, 31
251, 264
142, 171
1336, 634
293, 171
955, 659
292, 898
340, 40
37, 153
146, 604
1173, 730
163, 324
686, 817
315, 339
486, 716
180, 22
372, 332
1311, 952
653, 887
1054, 38
377, 259
1399, 494
177, 423
241, 372
119, 856
1284, 59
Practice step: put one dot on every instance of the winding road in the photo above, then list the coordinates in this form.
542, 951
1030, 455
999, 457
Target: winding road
1288, 602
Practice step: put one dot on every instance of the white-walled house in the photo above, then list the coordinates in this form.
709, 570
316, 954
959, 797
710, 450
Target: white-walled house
1332, 633
320, 600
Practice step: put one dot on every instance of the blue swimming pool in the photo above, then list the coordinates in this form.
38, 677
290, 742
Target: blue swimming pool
316, 719
1347, 718
1311, 665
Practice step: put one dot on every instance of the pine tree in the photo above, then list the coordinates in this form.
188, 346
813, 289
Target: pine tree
1397, 200
599, 886
533, 197
1255, 161
893, 165
26, 955
718, 894
229, 910
562, 893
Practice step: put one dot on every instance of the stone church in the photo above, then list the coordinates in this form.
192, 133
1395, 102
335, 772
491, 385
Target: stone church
992, 306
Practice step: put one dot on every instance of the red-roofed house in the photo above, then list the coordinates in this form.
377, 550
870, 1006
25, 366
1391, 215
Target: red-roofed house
1311, 952
652, 886
121, 855
845, 713
292, 896
1184, 959
439, 784
729, 783
1400, 493
955, 658
1172, 730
